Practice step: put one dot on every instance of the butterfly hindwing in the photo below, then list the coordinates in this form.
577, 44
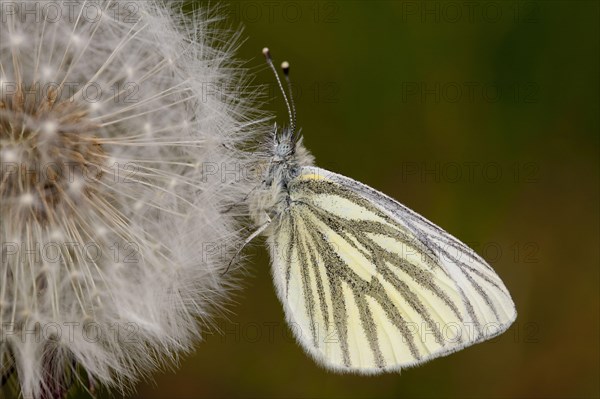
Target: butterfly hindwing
370, 286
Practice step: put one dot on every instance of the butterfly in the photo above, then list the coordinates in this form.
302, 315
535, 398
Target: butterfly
367, 285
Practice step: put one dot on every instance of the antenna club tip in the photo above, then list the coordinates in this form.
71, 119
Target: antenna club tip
266, 52
285, 66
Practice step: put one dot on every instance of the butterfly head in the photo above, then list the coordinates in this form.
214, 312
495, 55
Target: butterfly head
288, 154
285, 141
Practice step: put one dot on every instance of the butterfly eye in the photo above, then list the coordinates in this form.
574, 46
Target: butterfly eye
285, 149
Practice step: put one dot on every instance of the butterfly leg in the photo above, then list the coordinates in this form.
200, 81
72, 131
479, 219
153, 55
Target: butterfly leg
7, 371
252, 236
229, 208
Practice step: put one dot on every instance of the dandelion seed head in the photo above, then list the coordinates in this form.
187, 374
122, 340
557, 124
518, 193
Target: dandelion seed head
47, 71
137, 205
100, 231
49, 128
16, 39
9, 155
75, 39
76, 186
27, 199
106, 207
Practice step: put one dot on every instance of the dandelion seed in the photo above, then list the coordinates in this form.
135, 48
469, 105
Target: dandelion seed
106, 205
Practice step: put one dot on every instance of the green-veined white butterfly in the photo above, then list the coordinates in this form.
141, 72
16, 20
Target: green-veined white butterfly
367, 285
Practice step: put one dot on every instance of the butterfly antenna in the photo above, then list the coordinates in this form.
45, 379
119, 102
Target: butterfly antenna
291, 114
285, 67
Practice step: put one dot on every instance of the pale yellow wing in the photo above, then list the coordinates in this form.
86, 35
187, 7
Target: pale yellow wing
369, 286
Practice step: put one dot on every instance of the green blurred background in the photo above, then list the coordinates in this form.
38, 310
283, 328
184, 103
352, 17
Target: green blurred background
481, 116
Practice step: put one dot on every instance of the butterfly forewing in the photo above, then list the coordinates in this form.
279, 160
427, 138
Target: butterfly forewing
369, 286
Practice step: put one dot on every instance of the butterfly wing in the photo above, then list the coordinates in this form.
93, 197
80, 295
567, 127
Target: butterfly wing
369, 285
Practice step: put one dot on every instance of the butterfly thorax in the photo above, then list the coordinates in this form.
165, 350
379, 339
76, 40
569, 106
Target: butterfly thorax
287, 156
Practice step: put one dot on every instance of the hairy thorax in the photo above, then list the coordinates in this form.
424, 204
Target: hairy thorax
271, 197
